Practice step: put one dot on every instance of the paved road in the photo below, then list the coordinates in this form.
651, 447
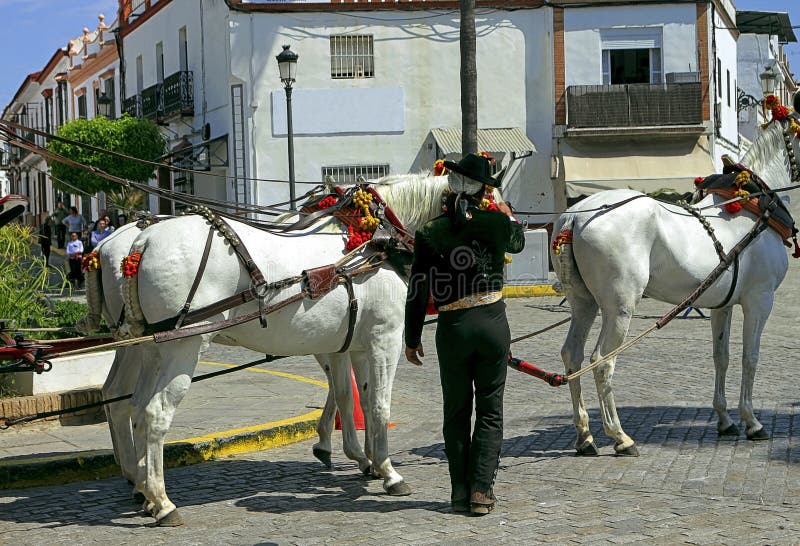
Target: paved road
687, 487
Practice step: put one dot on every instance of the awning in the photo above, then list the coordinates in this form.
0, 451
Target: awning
646, 166
766, 22
510, 139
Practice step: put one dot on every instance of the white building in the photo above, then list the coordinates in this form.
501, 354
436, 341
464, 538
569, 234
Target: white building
377, 91
645, 95
760, 47
66, 88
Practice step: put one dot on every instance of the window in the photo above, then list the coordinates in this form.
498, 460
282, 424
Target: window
631, 55
622, 66
719, 78
61, 96
139, 75
728, 81
160, 62
352, 57
48, 113
183, 48
183, 181
348, 174
108, 89
82, 106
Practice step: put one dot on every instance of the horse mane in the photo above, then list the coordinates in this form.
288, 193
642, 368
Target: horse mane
414, 198
767, 156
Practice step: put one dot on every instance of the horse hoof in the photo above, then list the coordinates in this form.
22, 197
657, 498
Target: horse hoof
588, 450
730, 430
758, 435
399, 489
139, 497
323, 456
631, 451
173, 519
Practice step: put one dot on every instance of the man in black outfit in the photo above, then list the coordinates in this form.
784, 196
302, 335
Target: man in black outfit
458, 259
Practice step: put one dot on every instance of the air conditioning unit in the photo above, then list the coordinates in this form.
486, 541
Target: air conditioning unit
682, 77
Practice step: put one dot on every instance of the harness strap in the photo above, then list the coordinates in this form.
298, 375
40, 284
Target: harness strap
732, 289
353, 313
197, 277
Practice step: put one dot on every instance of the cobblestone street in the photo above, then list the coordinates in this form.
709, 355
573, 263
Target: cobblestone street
688, 486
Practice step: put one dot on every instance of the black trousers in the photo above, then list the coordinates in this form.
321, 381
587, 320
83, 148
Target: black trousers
75, 273
473, 349
61, 234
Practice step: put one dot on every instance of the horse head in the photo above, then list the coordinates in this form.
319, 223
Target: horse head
775, 154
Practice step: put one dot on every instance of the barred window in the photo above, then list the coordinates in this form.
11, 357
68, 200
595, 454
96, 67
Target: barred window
348, 174
352, 56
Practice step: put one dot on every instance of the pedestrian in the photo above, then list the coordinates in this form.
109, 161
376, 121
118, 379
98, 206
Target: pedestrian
74, 222
101, 231
58, 219
458, 260
45, 239
74, 258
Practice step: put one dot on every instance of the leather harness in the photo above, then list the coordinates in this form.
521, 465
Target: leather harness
317, 282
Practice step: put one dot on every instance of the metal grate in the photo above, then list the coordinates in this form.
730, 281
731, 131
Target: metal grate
352, 56
348, 174
237, 145
634, 105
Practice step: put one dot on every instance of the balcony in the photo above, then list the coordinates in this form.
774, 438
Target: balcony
133, 106
634, 105
178, 94
152, 107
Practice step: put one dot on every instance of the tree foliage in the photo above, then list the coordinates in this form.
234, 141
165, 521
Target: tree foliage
126, 135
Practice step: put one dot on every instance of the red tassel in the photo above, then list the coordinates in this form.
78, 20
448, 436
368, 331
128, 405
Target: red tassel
796, 253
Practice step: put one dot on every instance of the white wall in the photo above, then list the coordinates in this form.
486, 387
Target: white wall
582, 44
725, 50
419, 56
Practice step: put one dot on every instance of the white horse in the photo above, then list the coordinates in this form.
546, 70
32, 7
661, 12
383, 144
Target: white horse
169, 262
648, 247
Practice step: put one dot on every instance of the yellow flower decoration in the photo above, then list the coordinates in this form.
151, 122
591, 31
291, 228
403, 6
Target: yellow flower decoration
362, 200
793, 128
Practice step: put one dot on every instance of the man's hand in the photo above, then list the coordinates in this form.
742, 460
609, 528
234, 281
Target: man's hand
504, 208
411, 354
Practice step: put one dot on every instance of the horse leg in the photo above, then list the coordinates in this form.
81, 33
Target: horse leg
379, 364
322, 449
721, 332
616, 321
756, 312
178, 360
337, 368
584, 311
122, 380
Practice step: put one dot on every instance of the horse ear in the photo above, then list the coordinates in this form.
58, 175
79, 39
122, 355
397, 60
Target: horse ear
499, 175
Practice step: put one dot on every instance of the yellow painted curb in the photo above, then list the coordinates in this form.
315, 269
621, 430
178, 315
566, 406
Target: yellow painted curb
529, 291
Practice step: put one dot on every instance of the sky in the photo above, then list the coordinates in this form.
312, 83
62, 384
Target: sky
33, 29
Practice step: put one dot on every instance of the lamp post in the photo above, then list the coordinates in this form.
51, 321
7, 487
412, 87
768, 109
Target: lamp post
105, 105
287, 65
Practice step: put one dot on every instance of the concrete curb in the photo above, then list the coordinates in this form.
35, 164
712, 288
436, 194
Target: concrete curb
92, 465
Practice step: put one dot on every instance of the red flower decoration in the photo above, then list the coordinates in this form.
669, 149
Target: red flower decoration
327, 202
734, 207
780, 113
130, 264
698, 181
438, 168
356, 238
771, 102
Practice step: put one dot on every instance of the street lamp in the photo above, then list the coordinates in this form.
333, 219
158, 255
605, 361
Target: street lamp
287, 65
769, 80
105, 105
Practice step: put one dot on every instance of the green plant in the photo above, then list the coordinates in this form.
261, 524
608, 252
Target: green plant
23, 280
126, 135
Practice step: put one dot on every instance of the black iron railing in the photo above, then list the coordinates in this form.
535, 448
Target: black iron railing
152, 107
634, 105
133, 106
178, 93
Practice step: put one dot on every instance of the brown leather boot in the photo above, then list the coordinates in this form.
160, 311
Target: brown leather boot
482, 503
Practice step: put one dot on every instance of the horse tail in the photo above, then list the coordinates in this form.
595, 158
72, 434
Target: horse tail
94, 302
134, 323
564, 264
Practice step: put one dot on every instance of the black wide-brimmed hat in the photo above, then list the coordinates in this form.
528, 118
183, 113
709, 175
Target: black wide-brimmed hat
474, 167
